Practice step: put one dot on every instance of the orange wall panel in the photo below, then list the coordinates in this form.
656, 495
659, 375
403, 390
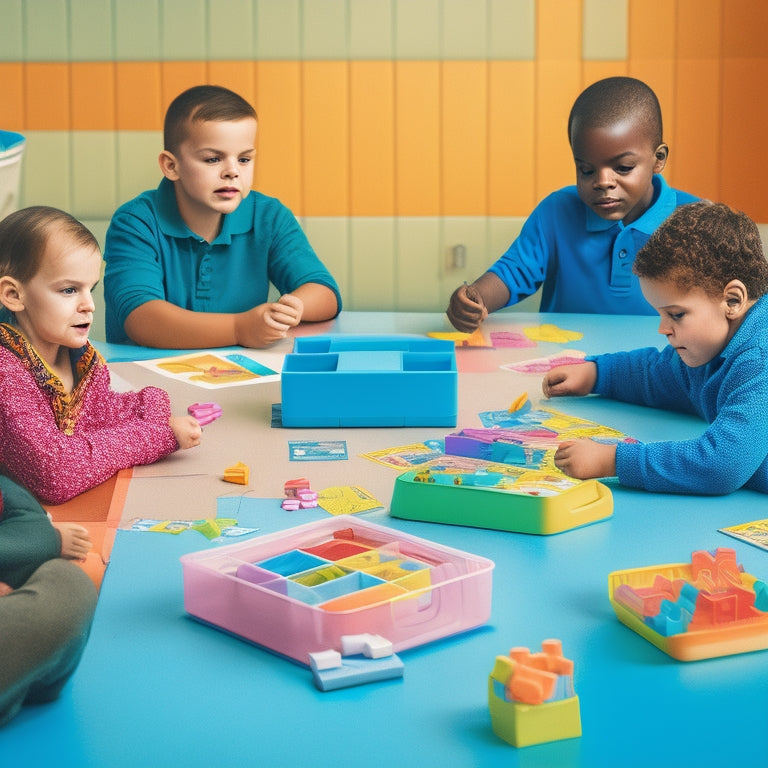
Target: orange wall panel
177, 76
464, 151
744, 28
325, 138
93, 96
699, 28
279, 137
744, 165
558, 29
696, 151
511, 137
12, 101
238, 76
417, 138
652, 29
372, 138
47, 95
592, 71
140, 106
557, 86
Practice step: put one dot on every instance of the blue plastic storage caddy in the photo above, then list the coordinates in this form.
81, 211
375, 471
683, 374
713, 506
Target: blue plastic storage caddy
370, 381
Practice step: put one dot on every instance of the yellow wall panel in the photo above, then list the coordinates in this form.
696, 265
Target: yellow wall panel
372, 148
279, 137
139, 97
12, 101
325, 137
417, 138
465, 138
93, 96
46, 87
511, 137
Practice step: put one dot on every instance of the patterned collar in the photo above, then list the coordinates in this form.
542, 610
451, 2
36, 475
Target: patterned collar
66, 405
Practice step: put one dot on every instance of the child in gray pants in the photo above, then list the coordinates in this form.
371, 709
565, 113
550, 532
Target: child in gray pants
46, 605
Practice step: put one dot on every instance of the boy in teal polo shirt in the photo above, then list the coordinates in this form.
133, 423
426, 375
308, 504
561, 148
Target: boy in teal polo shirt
580, 241
188, 265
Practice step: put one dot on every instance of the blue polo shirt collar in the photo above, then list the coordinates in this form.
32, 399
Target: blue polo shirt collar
664, 202
171, 224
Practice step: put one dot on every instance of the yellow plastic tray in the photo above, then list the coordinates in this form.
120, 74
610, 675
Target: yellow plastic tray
736, 637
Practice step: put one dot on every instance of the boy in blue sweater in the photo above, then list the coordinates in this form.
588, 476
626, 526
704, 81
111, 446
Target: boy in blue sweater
189, 264
580, 241
704, 272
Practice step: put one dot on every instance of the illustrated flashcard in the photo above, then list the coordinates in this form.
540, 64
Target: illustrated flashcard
347, 500
544, 364
317, 450
755, 533
407, 456
213, 370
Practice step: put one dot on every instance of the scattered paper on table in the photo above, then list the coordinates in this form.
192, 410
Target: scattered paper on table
213, 529
347, 500
317, 450
214, 370
544, 364
407, 456
549, 332
755, 533
474, 339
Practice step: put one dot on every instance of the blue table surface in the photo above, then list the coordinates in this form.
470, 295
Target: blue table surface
157, 688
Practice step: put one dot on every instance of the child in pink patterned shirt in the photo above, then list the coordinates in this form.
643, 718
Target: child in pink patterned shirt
63, 429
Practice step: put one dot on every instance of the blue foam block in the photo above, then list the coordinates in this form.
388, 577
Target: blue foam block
357, 670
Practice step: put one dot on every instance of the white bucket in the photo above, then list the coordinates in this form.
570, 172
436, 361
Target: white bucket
11, 150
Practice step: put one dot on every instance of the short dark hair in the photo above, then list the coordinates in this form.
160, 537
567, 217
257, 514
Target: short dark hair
24, 236
202, 103
706, 245
614, 100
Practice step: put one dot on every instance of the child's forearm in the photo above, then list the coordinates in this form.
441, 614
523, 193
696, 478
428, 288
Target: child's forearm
164, 325
493, 291
319, 301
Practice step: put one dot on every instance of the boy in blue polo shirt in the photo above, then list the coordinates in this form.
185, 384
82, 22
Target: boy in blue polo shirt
580, 242
188, 265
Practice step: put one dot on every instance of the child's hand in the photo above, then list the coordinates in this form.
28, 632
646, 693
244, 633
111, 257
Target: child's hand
269, 322
5, 589
584, 459
75, 540
466, 309
186, 430
576, 379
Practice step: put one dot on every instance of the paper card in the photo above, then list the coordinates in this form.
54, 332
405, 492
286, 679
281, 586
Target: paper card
317, 450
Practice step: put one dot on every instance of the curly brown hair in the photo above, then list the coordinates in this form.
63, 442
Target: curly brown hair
706, 245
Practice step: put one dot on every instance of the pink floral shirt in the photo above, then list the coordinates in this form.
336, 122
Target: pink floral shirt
60, 444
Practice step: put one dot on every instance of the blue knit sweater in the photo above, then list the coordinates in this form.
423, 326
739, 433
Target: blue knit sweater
730, 393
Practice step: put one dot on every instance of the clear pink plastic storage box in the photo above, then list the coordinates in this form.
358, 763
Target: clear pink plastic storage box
300, 590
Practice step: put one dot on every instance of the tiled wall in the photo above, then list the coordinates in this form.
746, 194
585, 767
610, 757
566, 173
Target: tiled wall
395, 129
